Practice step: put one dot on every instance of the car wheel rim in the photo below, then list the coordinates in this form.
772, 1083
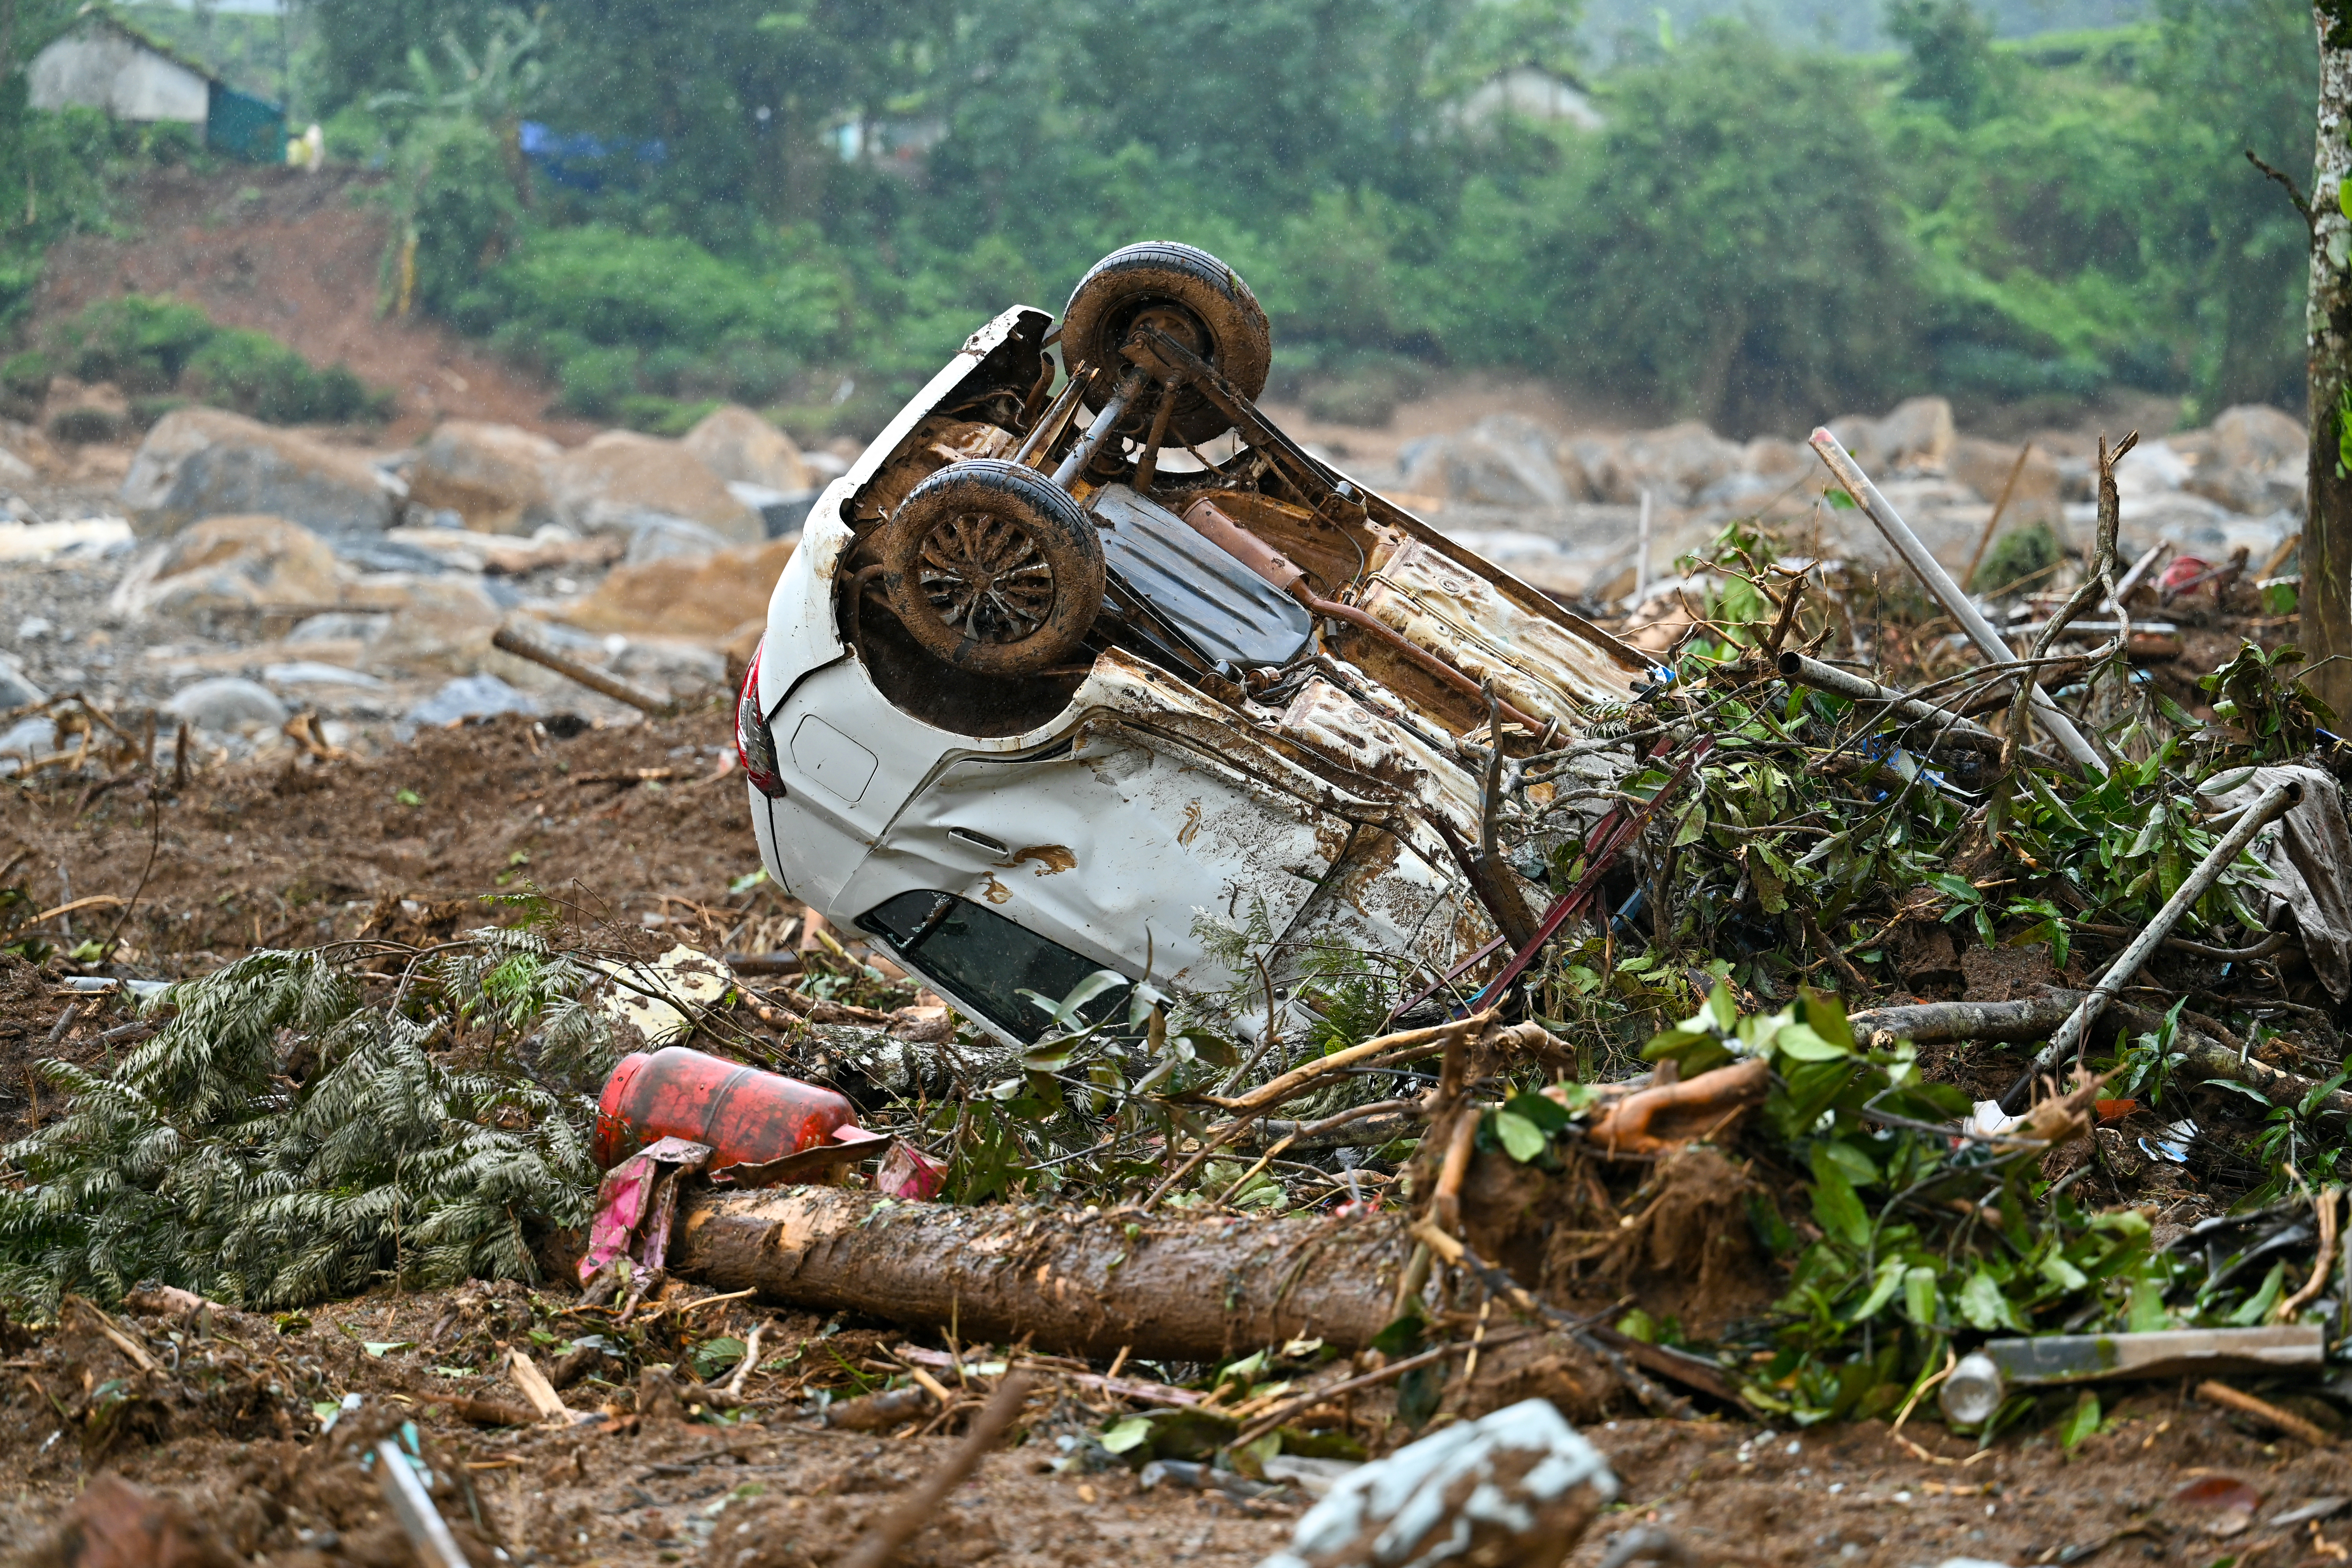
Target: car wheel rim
986, 577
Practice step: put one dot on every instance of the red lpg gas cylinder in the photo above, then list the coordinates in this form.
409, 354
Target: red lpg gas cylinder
745, 1115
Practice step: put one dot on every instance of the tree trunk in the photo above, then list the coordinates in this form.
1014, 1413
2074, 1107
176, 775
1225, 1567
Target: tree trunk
2326, 593
1165, 1286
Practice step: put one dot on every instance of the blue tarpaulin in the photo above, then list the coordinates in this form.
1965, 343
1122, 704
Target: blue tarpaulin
582, 160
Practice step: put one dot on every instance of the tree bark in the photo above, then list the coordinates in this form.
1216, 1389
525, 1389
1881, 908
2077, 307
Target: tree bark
1162, 1286
2327, 592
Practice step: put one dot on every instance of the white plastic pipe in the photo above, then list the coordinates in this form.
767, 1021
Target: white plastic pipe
1963, 609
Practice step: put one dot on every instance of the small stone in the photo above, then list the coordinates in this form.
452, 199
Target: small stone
468, 697
228, 704
16, 690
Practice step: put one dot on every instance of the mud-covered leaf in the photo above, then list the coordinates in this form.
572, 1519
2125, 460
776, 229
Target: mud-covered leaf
716, 1358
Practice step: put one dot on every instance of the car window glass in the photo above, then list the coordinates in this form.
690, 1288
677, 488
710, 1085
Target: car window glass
984, 959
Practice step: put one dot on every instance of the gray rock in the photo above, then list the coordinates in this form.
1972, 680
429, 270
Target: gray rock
656, 537
338, 626
207, 463
312, 672
672, 663
369, 553
2256, 436
468, 697
1676, 463
16, 690
1503, 460
34, 737
228, 704
1518, 1485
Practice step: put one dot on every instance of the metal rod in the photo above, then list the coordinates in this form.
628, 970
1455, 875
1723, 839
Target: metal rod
1889, 522
1049, 426
2271, 804
1099, 431
428, 1532
1642, 556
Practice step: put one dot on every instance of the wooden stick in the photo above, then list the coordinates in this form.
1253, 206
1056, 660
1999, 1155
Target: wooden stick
2287, 1421
2319, 1264
922, 1504
1290, 1083
1992, 523
1310, 1400
512, 640
536, 1389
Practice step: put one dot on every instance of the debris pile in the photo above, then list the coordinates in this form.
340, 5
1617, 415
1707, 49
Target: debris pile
1803, 997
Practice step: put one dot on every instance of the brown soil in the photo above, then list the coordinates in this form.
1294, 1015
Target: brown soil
256, 853
235, 1430
272, 855
298, 256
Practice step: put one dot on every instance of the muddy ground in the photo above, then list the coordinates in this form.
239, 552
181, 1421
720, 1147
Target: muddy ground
234, 1431
272, 853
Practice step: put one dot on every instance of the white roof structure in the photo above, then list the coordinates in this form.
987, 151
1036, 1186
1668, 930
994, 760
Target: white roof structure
102, 64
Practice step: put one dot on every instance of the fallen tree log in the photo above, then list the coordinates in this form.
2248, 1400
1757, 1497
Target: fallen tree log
1162, 1286
2033, 1017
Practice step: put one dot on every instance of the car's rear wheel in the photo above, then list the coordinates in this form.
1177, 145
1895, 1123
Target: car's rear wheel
994, 568
1186, 293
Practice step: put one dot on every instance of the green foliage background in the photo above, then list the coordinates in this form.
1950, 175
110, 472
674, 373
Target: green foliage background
1761, 234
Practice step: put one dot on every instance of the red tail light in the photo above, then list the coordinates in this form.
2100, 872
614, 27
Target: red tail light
755, 748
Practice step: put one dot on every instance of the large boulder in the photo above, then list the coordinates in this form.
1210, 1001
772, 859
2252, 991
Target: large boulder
743, 448
1918, 437
1503, 460
499, 477
468, 697
208, 462
438, 624
230, 564
705, 601
2256, 436
1984, 467
618, 479
1678, 462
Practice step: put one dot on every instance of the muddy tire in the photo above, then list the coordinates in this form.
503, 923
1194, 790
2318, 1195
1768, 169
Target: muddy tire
994, 568
1190, 295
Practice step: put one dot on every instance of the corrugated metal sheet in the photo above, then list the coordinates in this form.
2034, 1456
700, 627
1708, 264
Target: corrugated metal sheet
1538, 664
1227, 611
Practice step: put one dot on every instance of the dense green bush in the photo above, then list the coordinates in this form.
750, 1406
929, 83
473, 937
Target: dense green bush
613, 315
140, 342
256, 374
151, 346
1759, 234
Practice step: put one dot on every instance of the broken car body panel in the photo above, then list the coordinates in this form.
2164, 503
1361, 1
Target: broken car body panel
1212, 756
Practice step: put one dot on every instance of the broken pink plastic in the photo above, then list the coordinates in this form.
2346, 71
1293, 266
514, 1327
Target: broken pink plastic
638, 1193
905, 1174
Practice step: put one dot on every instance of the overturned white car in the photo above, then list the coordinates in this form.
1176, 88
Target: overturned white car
1046, 689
